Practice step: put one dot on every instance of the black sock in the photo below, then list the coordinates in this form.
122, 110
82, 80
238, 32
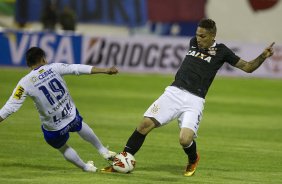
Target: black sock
134, 142
191, 152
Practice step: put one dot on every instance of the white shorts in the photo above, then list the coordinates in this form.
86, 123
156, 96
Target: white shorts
177, 103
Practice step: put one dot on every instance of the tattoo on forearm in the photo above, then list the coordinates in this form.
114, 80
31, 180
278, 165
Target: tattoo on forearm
261, 58
258, 61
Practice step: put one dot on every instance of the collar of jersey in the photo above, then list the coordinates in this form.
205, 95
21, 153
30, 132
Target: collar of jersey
37, 68
213, 45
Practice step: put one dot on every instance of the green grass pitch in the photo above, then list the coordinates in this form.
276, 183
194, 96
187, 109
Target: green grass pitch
239, 137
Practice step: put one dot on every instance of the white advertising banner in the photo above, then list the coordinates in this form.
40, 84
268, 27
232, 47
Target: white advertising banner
165, 54
272, 67
130, 53
136, 54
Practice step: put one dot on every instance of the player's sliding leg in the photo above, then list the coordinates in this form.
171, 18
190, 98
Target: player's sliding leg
71, 156
137, 139
134, 142
88, 134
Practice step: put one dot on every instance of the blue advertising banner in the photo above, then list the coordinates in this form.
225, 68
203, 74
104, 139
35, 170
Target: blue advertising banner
119, 12
58, 47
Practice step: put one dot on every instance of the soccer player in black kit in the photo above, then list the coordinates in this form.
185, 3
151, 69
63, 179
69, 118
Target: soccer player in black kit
184, 99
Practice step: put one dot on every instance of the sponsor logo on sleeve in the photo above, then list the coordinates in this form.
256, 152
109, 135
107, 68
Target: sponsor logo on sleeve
19, 92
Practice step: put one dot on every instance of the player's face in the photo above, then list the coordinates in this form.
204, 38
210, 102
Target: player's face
205, 39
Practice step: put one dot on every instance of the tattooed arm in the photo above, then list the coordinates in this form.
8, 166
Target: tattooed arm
251, 66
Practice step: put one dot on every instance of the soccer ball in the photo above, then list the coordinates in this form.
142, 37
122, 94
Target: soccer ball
124, 162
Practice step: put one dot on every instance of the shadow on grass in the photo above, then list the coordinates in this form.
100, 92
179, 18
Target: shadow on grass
169, 168
33, 166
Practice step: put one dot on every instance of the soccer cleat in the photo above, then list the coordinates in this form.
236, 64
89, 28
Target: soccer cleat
90, 167
108, 169
109, 155
191, 167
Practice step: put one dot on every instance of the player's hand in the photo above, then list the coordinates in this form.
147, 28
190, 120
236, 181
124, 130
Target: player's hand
112, 70
268, 51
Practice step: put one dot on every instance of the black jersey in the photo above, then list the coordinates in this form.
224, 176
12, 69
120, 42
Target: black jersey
199, 67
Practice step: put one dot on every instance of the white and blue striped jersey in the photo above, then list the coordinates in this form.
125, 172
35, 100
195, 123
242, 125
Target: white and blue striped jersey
49, 92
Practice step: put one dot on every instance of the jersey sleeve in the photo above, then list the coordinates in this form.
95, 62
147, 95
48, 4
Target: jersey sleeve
14, 102
71, 69
231, 57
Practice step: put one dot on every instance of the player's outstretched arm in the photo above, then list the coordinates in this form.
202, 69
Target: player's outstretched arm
110, 71
251, 66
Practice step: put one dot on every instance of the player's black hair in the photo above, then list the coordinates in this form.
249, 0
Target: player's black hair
208, 24
34, 56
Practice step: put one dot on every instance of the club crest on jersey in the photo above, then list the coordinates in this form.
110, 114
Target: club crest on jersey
212, 51
155, 109
19, 92
199, 55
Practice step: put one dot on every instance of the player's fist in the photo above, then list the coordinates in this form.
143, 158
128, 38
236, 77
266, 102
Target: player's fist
112, 70
268, 51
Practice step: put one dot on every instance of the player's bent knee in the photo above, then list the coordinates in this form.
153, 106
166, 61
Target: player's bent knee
185, 142
186, 137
